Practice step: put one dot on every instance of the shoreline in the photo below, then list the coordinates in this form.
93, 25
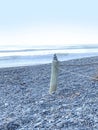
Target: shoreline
25, 103
42, 64
41, 59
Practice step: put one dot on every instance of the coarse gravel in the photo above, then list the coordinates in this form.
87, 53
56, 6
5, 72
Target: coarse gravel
25, 103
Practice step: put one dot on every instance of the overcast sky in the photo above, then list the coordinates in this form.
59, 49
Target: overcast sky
48, 22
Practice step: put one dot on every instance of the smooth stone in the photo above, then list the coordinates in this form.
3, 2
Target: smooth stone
12, 126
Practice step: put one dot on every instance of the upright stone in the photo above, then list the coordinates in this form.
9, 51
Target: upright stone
54, 75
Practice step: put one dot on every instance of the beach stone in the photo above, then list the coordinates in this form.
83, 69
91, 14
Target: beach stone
25, 120
60, 124
12, 126
96, 119
50, 120
2, 127
37, 124
62, 128
45, 112
6, 104
96, 126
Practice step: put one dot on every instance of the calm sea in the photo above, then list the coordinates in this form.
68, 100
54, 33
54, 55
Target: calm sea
13, 56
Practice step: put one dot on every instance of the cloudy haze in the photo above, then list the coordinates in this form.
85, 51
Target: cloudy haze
48, 22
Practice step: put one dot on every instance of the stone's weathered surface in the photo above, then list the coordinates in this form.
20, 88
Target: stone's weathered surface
26, 105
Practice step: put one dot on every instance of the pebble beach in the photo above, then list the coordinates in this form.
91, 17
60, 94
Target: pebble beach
25, 102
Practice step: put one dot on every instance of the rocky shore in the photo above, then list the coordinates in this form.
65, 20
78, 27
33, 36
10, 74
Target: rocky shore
25, 103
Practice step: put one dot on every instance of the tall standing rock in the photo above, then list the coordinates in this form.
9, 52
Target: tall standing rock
54, 75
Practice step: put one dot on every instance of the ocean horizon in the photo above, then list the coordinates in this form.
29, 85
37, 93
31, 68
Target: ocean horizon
14, 56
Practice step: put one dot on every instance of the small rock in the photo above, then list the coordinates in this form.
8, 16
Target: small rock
37, 124
41, 101
12, 126
50, 120
2, 127
45, 112
60, 125
6, 104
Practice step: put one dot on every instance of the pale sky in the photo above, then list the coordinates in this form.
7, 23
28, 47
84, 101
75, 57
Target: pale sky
48, 22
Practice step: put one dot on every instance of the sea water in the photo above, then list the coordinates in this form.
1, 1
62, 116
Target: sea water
13, 56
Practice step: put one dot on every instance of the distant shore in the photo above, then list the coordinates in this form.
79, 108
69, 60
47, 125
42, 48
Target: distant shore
25, 103
25, 56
